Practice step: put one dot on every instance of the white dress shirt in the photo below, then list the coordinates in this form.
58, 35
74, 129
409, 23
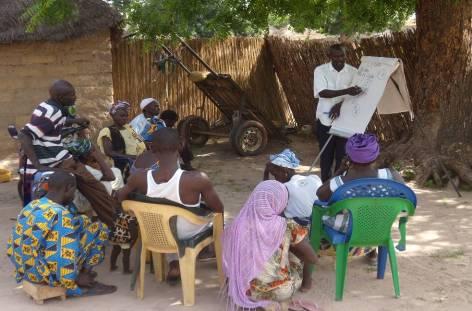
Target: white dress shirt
328, 78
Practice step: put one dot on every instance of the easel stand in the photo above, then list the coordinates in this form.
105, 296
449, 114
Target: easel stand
319, 154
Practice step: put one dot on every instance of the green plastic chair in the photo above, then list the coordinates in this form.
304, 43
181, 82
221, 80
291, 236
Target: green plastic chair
371, 224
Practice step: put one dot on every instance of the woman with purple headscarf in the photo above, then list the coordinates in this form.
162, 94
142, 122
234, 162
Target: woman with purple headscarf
362, 150
119, 141
260, 268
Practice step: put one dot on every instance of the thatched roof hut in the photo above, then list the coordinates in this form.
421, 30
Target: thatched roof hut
92, 15
78, 50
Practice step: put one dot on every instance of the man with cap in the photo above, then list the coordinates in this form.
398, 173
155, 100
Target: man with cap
148, 121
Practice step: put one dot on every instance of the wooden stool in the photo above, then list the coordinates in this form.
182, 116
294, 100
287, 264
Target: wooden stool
39, 292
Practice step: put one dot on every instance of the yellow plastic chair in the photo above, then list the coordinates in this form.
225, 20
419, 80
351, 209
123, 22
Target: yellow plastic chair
157, 237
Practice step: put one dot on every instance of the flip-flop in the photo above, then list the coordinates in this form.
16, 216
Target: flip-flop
173, 280
303, 305
92, 274
99, 289
207, 257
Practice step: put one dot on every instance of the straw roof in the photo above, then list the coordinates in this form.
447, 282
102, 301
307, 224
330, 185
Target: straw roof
93, 15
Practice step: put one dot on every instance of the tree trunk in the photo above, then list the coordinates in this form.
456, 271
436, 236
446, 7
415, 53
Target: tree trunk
444, 68
442, 135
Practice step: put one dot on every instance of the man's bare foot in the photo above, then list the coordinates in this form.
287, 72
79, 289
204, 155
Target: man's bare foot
84, 280
99, 289
372, 258
91, 273
306, 285
173, 276
207, 254
127, 271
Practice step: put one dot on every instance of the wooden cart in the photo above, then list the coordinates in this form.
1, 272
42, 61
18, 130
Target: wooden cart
247, 128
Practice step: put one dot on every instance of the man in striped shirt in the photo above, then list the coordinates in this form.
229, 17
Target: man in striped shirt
42, 144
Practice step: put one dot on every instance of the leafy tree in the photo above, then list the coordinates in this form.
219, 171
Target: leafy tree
332, 16
443, 95
187, 18
209, 18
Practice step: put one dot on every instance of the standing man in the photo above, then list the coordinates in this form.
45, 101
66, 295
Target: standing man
331, 86
42, 144
148, 121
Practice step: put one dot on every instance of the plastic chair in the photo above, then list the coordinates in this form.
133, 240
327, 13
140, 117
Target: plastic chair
371, 219
158, 231
365, 187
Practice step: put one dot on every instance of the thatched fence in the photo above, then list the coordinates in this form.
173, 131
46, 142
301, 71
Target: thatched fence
247, 60
276, 73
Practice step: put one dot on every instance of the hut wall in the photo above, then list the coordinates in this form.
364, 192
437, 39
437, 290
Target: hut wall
27, 70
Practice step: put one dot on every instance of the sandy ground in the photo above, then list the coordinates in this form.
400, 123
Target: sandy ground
435, 270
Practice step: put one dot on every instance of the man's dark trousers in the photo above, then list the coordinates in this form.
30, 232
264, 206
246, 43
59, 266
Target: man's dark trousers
335, 150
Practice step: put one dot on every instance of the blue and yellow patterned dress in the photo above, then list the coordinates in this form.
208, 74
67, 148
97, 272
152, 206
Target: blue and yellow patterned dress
50, 244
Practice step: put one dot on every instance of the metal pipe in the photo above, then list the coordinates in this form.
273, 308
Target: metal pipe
192, 51
209, 133
169, 52
319, 154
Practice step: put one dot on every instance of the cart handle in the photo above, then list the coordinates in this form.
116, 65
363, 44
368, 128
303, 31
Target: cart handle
169, 52
192, 51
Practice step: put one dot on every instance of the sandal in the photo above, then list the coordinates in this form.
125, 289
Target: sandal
173, 280
99, 289
303, 305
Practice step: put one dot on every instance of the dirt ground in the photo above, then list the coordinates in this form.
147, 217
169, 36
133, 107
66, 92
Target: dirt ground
435, 270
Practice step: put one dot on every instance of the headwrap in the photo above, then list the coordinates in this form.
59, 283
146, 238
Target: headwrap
362, 148
78, 147
286, 159
119, 105
252, 238
146, 102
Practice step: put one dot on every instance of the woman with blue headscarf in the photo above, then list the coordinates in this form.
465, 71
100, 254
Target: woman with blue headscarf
301, 190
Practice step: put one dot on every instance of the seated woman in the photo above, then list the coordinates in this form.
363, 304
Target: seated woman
96, 163
119, 141
302, 194
362, 150
263, 252
302, 189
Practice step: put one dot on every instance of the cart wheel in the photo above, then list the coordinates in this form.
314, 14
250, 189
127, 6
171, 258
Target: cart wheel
187, 127
249, 138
